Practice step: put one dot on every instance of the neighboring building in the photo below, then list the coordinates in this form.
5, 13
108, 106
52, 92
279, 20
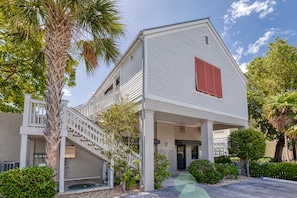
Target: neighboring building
220, 142
185, 84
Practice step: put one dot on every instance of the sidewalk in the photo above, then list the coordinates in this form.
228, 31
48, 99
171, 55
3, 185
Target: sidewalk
183, 185
180, 185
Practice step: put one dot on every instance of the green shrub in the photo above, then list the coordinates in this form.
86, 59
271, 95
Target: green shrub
281, 170
256, 169
227, 170
160, 172
131, 176
28, 182
265, 160
204, 172
222, 160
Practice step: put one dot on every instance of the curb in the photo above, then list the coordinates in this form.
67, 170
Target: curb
279, 180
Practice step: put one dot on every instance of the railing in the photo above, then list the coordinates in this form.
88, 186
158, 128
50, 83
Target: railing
5, 166
92, 133
98, 105
86, 128
37, 113
77, 123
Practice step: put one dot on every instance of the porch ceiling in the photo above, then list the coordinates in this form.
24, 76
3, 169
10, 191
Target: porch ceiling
188, 121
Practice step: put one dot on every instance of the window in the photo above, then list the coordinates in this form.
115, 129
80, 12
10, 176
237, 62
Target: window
208, 78
206, 39
194, 150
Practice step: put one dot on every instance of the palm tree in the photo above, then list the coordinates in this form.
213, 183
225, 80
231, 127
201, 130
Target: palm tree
281, 111
90, 27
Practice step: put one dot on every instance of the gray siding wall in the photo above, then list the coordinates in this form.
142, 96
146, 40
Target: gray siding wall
131, 75
10, 138
171, 72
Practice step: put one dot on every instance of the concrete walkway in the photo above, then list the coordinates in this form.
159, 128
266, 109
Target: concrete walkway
183, 185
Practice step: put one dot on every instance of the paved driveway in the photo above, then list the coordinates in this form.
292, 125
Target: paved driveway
183, 186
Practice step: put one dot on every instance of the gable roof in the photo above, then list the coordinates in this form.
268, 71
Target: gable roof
190, 25
177, 27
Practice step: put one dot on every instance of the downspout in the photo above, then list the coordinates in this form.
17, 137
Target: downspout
142, 118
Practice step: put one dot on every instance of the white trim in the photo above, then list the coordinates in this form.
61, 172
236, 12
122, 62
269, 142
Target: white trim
226, 51
145, 66
31, 130
172, 29
174, 102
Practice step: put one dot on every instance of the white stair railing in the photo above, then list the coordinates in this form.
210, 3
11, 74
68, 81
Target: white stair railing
92, 133
77, 123
97, 105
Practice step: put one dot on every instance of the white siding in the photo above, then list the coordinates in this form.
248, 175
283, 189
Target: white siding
171, 73
131, 75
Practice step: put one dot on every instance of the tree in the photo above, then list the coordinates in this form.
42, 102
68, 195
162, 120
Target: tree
281, 113
121, 124
269, 76
22, 68
91, 27
248, 145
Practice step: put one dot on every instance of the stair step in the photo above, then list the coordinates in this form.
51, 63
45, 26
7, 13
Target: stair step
83, 140
91, 144
98, 148
70, 130
77, 135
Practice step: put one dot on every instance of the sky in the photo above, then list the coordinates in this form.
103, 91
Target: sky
245, 26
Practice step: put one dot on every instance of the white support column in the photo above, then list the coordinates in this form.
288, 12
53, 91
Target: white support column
148, 153
94, 108
207, 140
62, 164
111, 175
104, 168
114, 84
24, 138
23, 152
62, 147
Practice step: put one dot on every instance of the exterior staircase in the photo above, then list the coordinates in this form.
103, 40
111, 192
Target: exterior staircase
80, 129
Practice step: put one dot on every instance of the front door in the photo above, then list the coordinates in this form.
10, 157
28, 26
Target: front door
181, 157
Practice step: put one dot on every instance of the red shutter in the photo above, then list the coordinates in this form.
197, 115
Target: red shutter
218, 82
209, 79
200, 75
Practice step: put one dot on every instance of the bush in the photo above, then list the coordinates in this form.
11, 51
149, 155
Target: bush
28, 182
131, 177
222, 160
204, 172
160, 172
281, 170
227, 170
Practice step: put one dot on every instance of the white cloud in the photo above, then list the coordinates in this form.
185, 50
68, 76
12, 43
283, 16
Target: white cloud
243, 8
238, 53
243, 67
66, 92
254, 48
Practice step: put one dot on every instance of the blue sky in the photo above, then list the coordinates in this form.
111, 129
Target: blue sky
245, 26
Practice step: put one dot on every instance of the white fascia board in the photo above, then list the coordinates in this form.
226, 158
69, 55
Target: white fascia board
189, 106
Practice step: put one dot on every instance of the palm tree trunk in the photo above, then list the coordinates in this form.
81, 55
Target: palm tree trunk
57, 38
279, 149
286, 147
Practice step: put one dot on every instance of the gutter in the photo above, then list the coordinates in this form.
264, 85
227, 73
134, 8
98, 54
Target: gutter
142, 139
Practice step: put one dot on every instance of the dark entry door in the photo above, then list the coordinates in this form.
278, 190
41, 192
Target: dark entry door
181, 157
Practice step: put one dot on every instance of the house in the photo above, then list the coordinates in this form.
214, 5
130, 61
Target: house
185, 84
